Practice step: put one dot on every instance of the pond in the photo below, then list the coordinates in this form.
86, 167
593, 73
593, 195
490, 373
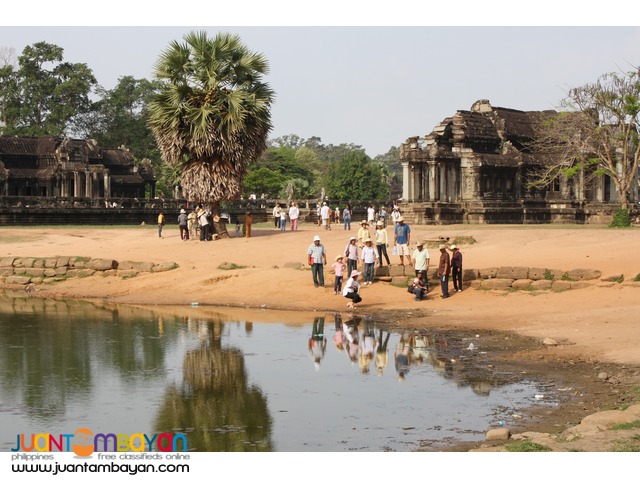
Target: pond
231, 383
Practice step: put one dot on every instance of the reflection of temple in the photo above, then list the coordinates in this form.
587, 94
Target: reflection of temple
473, 168
62, 167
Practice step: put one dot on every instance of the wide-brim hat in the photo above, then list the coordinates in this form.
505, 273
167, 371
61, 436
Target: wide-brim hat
182, 210
363, 222
368, 240
401, 218
355, 273
316, 238
338, 257
380, 224
442, 246
453, 247
353, 238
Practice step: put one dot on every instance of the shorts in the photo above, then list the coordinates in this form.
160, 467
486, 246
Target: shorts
403, 249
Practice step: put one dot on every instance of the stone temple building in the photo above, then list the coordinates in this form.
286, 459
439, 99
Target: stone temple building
64, 167
473, 168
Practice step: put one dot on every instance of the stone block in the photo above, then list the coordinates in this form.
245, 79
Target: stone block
577, 285
164, 267
498, 434
50, 272
522, 283
80, 272
6, 271
498, 283
485, 273
382, 271
50, 262
37, 280
61, 270
399, 280
62, 262
398, 270
7, 261
138, 266
561, 286
292, 265
108, 273
584, 274
516, 273
385, 279
469, 274
24, 262
475, 283
126, 273
38, 263
541, 284
102, 265
19, 270
17, 280
35, 272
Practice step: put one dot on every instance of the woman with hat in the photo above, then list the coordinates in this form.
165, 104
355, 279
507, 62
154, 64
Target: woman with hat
369, 256
382, 242
351, 254
351, 288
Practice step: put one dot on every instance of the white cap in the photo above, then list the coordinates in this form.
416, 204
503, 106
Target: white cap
316, 238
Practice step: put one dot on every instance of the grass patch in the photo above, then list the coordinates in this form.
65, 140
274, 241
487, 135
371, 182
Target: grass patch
526, 446
548, 275
464, 240
566, 277
630, 445
229, 266
637, 278
81, 259
618, 279
626, 426
621, 219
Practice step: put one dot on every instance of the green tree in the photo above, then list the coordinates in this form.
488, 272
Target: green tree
596, 134
212, 113
356, 177
44, 94
264, 181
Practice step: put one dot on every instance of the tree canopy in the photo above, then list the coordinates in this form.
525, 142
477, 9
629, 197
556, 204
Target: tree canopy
212, 114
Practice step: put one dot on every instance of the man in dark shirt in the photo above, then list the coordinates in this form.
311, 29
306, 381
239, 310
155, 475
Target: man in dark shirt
444, 269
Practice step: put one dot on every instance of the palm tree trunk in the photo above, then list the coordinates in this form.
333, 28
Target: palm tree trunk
219, 226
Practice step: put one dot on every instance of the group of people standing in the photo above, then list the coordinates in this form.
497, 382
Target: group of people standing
280, 216
197, 222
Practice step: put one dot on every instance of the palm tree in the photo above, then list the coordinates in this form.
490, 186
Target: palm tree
211, 116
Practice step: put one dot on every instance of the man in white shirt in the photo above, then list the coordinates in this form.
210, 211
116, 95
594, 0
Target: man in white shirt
325, 215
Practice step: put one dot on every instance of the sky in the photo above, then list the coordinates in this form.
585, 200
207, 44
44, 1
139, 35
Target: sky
354, 81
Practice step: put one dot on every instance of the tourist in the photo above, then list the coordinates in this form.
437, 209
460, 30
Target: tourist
382, 352
294, 214
419, 287
395, 214
325, 214
336, 215
183, 225
317, 342
160, 223
204, 224
317, 257
318, 214
248, 222
363, 233
351, 290
382, 242
346, 217
444, 269
371, 215
351, 254
338, 269
276, 215
368, 347
283, 219
456, 268
402, 356
383, 216
402, 237
421, 259
369, 256
192, 221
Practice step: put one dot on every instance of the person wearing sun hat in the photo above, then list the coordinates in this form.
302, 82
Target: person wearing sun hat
369, 256
444, 269
351, 289
338, 268
351, 254
183, 224
317, 258
401, 239
363, 233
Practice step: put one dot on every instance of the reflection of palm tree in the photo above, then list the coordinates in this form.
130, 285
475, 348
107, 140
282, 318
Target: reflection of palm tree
215, 400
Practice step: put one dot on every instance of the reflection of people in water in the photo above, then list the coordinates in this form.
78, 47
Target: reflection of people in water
350, 329
402, 356
382, 352
368, 346
339, 339
420, 349
317, 342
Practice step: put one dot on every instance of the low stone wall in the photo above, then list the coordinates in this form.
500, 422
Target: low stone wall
511, 278
25, 271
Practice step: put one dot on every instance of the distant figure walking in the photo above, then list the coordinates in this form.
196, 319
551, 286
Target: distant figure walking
294, 214
248, 222
346, 217
183, 225
160, 223
456, 268
444, 269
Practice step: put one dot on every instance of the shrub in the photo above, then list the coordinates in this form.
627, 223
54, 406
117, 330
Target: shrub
620, 219
526, 446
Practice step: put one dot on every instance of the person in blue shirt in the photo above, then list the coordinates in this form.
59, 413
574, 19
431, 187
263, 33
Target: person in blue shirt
401, 239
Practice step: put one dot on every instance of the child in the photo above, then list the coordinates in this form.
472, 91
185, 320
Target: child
338, 268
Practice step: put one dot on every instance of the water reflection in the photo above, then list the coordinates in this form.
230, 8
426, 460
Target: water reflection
232, 383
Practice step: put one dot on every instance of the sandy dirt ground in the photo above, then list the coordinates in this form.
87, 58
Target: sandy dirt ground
596, 324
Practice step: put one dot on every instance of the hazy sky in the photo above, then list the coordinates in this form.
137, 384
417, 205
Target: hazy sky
372, 86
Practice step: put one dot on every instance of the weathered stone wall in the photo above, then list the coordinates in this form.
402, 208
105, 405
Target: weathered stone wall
29, 271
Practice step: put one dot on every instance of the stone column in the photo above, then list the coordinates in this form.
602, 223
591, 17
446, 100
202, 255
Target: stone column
107, 185
442, 190
88, 191
431, 167
417, 192
406, 182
